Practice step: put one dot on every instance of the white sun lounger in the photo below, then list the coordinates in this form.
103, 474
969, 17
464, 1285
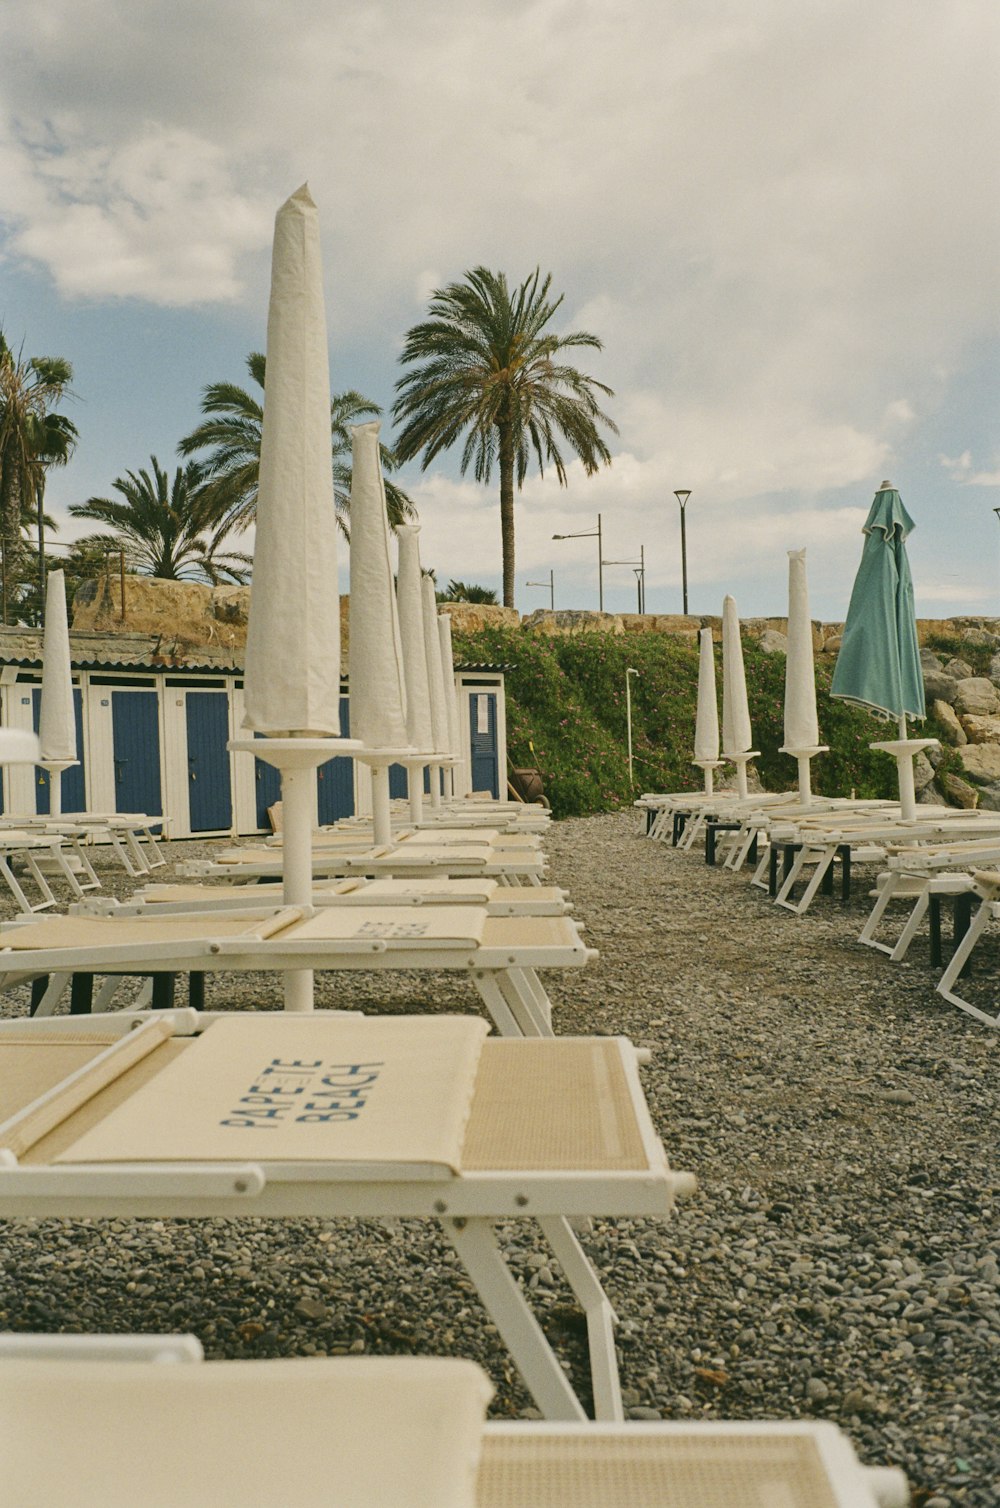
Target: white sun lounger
37, 851
318, 1116
385, 1430
918, 875
130, 835
500, 955
422, 861
499, 900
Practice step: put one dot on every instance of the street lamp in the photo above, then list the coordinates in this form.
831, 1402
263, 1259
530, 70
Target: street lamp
593, 534
640, 574
550, 587
682, 494
628, 722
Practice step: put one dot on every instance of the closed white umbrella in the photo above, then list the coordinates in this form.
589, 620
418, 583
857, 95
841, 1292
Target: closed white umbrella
706, 725
801, 718
57, 718
292, 667
737, 735
450, 692
377, 677
410, 600
440, 727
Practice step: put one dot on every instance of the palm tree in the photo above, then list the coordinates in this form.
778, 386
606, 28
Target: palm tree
231, 434
484, 364
464, 591
161, 526
32, 438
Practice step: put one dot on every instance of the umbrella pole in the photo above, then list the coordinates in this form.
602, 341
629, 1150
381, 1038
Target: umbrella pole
415, 787
298, 788
435, 787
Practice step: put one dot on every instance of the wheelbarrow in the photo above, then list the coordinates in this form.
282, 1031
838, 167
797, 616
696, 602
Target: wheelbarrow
525, 782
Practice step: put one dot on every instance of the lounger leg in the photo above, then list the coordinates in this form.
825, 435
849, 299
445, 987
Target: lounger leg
885, 895
823, 863
81, 995
601, 1318
138, 857
761, 875
501, 1014
533, 1017
790, 871
124, 856
475, 1242
55, 989
958, 961
158, 861
937, 956
913, 921
91, 882
529, 988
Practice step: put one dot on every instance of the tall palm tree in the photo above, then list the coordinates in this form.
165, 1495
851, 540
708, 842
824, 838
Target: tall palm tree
32, 438
232, 432
484, 365
161, 526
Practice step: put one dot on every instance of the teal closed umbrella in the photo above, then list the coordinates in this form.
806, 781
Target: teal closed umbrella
879, 661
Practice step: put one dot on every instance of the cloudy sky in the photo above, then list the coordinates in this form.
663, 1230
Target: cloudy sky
780, 218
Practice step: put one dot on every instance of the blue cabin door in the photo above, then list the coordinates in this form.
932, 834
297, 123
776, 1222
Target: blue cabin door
210, 796
267, 788
398, 785
335, 779
483, 723
135, 724
73, 795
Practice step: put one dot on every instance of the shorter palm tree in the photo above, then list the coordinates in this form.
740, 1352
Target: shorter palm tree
231, 434
465, 591
161, 526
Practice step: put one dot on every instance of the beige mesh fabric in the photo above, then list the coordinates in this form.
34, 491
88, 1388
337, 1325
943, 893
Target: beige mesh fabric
50, 1106
556, 1105
303, 1089
31, 1065
661, 1471
530, 932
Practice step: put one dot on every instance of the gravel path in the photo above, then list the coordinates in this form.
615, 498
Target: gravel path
840, 1260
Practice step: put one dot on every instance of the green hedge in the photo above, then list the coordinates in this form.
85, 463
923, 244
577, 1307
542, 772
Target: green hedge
566, 696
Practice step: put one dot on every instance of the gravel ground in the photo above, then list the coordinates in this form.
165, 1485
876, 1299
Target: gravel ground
841, 1258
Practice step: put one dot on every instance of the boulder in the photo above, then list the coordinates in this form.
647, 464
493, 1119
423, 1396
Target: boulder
981, 762
662, 623
831, 646
960, 669
980, 730
773, 643
571, 621
959, 792
190, 613
975, 696
994, 671
951, 729
939, 687
923, 771
930, 661
989, 798
981, 637
468, 617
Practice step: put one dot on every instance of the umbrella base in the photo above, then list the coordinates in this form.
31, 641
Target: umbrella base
904, 750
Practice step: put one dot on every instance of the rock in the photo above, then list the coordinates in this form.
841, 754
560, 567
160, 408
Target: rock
857, 1401
994, 670
981, 637
951, 729
959, 792
981, 762
832, 645
923, 771
939, 687
930, 661
817, 1390
312, 1309
980, 730
467, 617
571, 621
960, 669
976, 697
773, 643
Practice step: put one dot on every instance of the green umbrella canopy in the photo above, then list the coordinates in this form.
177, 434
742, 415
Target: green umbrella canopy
879, 662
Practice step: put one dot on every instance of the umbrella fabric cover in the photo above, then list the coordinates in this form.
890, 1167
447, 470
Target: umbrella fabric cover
706, 727
57, 721
801, 720
409, 596
450, 689
879, 661
292, 682
737, 736
378, 683
435, 676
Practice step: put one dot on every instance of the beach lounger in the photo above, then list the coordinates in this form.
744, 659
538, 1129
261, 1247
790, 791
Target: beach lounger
499, 900
318, 1116
422, 861
500, 955
922, 876
378, 1431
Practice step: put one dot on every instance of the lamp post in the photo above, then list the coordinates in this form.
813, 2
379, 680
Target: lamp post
550, 587
640, 573
628, 721
682, 494
593, 534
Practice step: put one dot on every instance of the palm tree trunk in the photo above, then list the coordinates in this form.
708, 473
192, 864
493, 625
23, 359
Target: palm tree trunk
10, 527
507, 510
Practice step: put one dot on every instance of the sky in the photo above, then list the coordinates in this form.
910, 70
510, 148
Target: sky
780, 218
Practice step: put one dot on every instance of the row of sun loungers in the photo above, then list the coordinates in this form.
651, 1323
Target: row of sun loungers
186, 1113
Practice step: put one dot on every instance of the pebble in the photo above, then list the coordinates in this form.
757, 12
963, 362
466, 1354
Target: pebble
840, 1259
